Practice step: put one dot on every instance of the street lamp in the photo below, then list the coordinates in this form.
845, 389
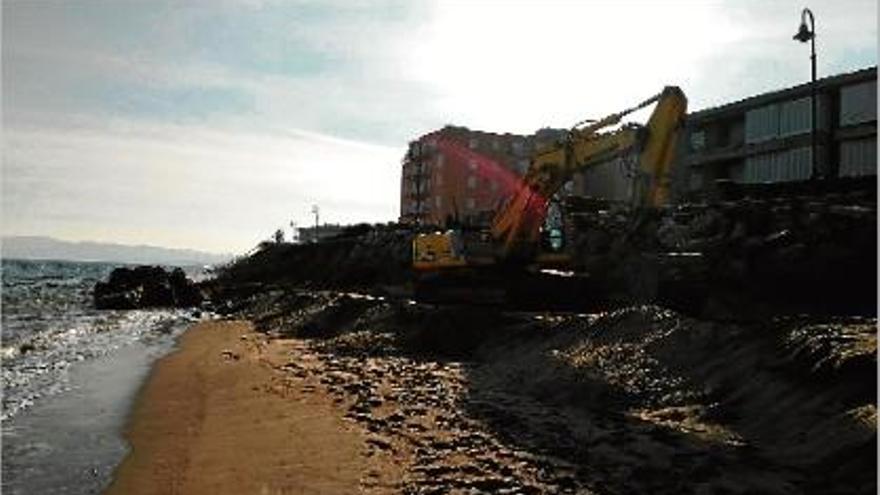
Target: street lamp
803, 35
316, 210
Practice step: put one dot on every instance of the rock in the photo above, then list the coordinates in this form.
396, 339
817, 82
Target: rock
379, 443
146, 287
184, 292
108, 298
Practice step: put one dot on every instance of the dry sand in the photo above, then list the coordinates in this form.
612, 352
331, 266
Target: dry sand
635, 401
217, 417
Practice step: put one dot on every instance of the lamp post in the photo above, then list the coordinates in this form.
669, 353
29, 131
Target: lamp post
315, 210
803, 35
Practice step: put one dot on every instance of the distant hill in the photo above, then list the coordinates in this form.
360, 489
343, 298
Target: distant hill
36, 247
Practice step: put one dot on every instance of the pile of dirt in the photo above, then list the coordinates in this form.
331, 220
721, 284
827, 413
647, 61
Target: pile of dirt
638, 400
775, 412
771, 255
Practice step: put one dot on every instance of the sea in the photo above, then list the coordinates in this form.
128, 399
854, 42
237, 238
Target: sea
70, 374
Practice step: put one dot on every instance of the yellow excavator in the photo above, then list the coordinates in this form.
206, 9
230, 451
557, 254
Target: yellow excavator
514, 237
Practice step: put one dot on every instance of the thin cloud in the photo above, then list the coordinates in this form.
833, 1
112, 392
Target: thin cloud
210, 124
207, 189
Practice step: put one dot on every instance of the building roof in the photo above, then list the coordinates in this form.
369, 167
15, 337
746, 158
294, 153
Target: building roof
462, 131
798, 91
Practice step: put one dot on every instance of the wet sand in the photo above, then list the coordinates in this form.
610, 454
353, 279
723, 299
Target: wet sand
218, 416
70, 443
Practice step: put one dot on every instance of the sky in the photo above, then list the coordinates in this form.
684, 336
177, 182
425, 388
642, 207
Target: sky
208, 124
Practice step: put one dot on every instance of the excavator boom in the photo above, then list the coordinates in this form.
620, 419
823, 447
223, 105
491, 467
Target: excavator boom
515, 229
517, 225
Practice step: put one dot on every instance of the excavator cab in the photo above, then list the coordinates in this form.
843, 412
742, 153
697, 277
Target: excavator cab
553, 231
451, 249
438, 250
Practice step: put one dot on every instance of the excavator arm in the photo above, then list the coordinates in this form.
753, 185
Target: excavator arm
516, 227
517, 224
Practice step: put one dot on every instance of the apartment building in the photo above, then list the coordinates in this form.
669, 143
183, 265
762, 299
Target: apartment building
764, 139
456, 174
767, 138
319, 232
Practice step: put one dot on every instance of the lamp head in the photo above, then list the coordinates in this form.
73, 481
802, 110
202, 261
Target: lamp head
804, 34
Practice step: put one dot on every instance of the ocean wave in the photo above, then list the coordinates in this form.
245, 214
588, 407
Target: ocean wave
49, 324
37, 368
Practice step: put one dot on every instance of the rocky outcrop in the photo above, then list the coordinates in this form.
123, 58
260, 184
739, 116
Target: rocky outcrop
146, 287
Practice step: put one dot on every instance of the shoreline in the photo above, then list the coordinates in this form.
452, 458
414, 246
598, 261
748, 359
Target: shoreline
72, 437
338, 394
216, 416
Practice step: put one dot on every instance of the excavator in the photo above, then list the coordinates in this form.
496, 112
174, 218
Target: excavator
513, 240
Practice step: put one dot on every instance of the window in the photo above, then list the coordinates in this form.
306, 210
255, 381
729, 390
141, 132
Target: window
472, 182
471, 204
698, 140
762, 124
493, 186
474, 143
439, 162
472, 164
438, 201
522, 166
496, 145
439, 181
518, 146
858, 103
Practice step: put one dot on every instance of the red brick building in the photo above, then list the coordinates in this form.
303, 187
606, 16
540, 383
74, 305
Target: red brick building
455, 173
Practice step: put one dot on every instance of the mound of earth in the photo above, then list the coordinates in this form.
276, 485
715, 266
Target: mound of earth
637, 400
362, 256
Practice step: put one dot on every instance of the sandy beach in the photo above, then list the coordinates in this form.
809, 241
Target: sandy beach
217, 417
333, 393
